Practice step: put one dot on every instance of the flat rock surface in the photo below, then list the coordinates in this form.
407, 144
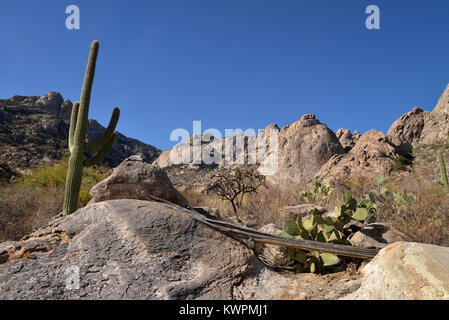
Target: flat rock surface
124, 249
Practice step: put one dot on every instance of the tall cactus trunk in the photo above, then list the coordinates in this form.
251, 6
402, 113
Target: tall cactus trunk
443, 171
73, 182
77, 136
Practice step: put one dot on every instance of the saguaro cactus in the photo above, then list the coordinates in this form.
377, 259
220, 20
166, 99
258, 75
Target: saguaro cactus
443, 171
77, 137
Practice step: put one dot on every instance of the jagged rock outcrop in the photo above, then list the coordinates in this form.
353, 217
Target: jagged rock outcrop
304, 147
406, 131
443, 103
135, 179
66, 110
33, 130
347, 139
124, 249
421, 127
406, 271
51, 102
372, 154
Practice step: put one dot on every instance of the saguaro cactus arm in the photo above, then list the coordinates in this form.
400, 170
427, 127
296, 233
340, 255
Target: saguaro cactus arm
73, 119
95, 145
100, 155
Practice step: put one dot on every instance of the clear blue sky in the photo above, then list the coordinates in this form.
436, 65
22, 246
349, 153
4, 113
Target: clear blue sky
231, 63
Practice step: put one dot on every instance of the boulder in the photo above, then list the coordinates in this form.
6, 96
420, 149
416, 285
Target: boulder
271, 253
377, 236
302, 210
406, 271
124, 249
347, 139
304, 147
51, 102
135, 179
406, 131
373, 154
66, 110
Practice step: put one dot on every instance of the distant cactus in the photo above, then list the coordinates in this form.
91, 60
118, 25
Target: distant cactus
77, 137
442, 171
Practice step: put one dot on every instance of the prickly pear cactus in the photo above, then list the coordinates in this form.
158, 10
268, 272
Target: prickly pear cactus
324, 229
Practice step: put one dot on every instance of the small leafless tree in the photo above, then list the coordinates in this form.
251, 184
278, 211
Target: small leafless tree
232, 183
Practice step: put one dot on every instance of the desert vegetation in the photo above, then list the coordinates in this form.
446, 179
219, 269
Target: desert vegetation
38, 196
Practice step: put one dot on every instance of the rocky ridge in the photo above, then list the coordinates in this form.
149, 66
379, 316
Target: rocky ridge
33, 130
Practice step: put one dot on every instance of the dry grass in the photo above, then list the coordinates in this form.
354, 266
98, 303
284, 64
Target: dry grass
26, 208
414, 205
258, 208
34, 199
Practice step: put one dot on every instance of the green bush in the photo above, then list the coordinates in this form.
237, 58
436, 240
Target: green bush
401, 162
55, 175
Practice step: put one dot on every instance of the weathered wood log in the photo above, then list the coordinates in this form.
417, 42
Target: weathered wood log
261, 237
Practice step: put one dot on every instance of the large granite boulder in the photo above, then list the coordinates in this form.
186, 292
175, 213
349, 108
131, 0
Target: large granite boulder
406, 131
50, 102
135, 179
124, 249
304, 147
373, 154
347, 139
406, 271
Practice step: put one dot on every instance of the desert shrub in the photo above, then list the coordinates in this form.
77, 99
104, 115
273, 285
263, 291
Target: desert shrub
414, 206
412, 203
55, 175
401, 162
233, 183
34, 199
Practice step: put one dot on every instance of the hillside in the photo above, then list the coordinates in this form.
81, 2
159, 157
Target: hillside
33, 131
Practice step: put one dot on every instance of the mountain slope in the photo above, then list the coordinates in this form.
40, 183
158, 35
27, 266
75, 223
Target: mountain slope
34, 130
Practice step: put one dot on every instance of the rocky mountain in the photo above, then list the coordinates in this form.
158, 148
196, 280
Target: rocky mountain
33, 130
308, 150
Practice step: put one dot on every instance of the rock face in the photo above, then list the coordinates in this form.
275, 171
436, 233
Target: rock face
123, 249
347, 139
304, 147
443, 103
406, 131
33, 131
422, 127
372, 154
51, 102
406, 271
135, 179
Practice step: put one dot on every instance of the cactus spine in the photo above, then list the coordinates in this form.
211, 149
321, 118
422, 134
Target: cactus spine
77, 137
443, 171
